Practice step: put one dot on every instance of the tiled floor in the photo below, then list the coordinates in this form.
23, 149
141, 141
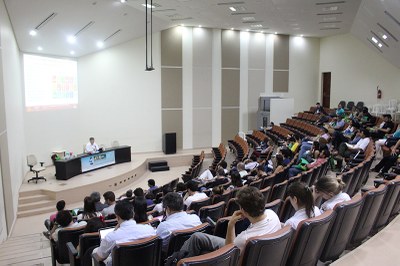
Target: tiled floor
27, 246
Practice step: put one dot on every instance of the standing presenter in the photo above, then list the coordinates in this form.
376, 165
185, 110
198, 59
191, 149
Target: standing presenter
91, 147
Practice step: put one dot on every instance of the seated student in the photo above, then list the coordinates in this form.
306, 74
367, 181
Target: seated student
302, 200
217, 192
64, 220
296, 169
140, 210
339, 110
241, 169
127, 195
346, 150
336, 125
384, 128
319, 109
252, 207
330, 189
219, 179
159, 205
176, 218
180, 188
345, 135
192, 193
389, 140
287, 155
387, 162
96, 198
152, 185
93, 225
366, 119
149, 199
109, 199
126, 230
50, 222
89, 210
237, 181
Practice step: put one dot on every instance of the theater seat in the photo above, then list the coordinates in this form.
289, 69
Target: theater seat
179, 237
86, 242
196, 205
225, 256
222, 226
310, 237
274, 205
347, 214
269, 249
214, 211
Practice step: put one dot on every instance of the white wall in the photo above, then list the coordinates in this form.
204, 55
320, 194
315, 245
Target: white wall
118, 100
12, 129
356, 71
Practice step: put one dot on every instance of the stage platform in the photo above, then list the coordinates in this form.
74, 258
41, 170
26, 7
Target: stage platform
42, 197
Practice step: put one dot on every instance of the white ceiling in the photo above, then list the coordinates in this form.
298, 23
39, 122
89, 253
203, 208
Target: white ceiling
311, 18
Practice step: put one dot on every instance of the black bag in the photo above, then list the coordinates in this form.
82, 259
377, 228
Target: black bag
391, 142
176, 257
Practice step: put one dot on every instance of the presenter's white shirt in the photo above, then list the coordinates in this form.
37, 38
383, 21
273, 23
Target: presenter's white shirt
301, 215
268, 225
128, 231
196, 196
330, 203
91, 148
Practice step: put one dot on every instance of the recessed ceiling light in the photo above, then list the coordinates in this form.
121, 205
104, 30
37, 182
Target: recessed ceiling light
232, 8
276, 32
256, 26
71, 39
182, 25
232, 28
122, 1
384, 36
200, 26
32, 33
380, 45
301, 35
148, 6
374, 40
72, 52
100, 44
247, 30
40, 48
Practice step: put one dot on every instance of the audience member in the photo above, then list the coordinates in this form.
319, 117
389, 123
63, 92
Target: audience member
384, 128
89, 210
176, 218
152, 185
252, 207
301, 198
192, 193
125, 231
241, 169
346, 150
388, 161
330, 189
109, 199
127, 196
96, 198
93, 225
64, 220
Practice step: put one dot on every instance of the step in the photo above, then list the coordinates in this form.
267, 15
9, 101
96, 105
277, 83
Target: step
157, 163
37, 211
31, 199
159, 168
30, 193
37, 205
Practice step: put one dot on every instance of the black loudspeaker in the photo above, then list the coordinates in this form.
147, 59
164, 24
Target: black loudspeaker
169, 143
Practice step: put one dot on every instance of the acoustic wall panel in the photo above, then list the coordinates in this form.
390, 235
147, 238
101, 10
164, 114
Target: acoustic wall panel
171, 87
281, 81
257, 51
230, 123
256, 88
172, 122
171, 47
230, 87
230, 49
281, 52
202, 127
202, 86
202, 47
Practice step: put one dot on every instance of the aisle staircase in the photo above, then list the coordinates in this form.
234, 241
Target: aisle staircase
34, 202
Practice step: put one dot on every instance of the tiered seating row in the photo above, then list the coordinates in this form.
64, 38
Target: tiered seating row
240, 148
277, 133
194, 169
219, 154
302, 128
307, 117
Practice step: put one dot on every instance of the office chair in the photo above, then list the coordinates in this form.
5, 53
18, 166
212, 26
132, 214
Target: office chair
33, 167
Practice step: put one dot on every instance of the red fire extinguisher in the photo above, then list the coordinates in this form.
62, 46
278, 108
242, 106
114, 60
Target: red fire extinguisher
378, 93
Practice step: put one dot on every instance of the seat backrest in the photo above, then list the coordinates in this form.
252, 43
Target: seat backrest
225, 256
310, 237
272, 248
278, 191
66, 235
306, 176
256, 184
347, 214
222, 226
274, 205
196, 205
268, 181
147, 251
372, 202
214, 211
31, 160
179, 237
266, 192
382, 218
231, 207
86, 242
287, 211
225, 197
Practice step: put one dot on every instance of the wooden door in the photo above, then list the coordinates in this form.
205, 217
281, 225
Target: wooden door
326, 89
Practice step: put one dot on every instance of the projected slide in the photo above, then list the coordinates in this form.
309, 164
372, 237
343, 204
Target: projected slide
50, 83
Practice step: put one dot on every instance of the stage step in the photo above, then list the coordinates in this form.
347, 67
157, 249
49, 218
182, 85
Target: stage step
159, 168
49, 209
31, 199
37, 205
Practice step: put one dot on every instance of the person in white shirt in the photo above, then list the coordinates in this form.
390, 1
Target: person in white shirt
91, 146
252, 207
192, 193
64, 220
346, 150
301, 198
177, 219
109, 199
126, 230
330, 189
241, 169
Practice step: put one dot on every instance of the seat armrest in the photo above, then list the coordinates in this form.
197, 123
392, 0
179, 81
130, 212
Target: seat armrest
365, 189
41, 164
96, 260
378, 182
72, 254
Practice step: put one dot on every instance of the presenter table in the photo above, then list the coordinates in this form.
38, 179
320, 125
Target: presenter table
65, 169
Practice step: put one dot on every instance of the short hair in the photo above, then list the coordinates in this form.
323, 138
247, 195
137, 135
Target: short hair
64, 218
91, 138
223, 164
236, 179
192, 185
95, 196
251, 200
60, 205
318, 103
138, 192
240, 166
180, 187
366, 132
166, 190
109, 195
151, 182
124, 210
129, 193
221, 172
173, 201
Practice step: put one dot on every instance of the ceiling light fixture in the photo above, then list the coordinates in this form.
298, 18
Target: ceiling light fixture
40, 48
32, 32
232, 28
232, 8
384, 36
200, 26
276, 33
100, 44
301, 35
148, 6
72, 52
380, 45
149, 67
122, 1
71, 39
374, 40
247, 30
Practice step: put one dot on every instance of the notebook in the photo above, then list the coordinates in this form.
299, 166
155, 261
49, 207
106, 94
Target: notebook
104, 231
